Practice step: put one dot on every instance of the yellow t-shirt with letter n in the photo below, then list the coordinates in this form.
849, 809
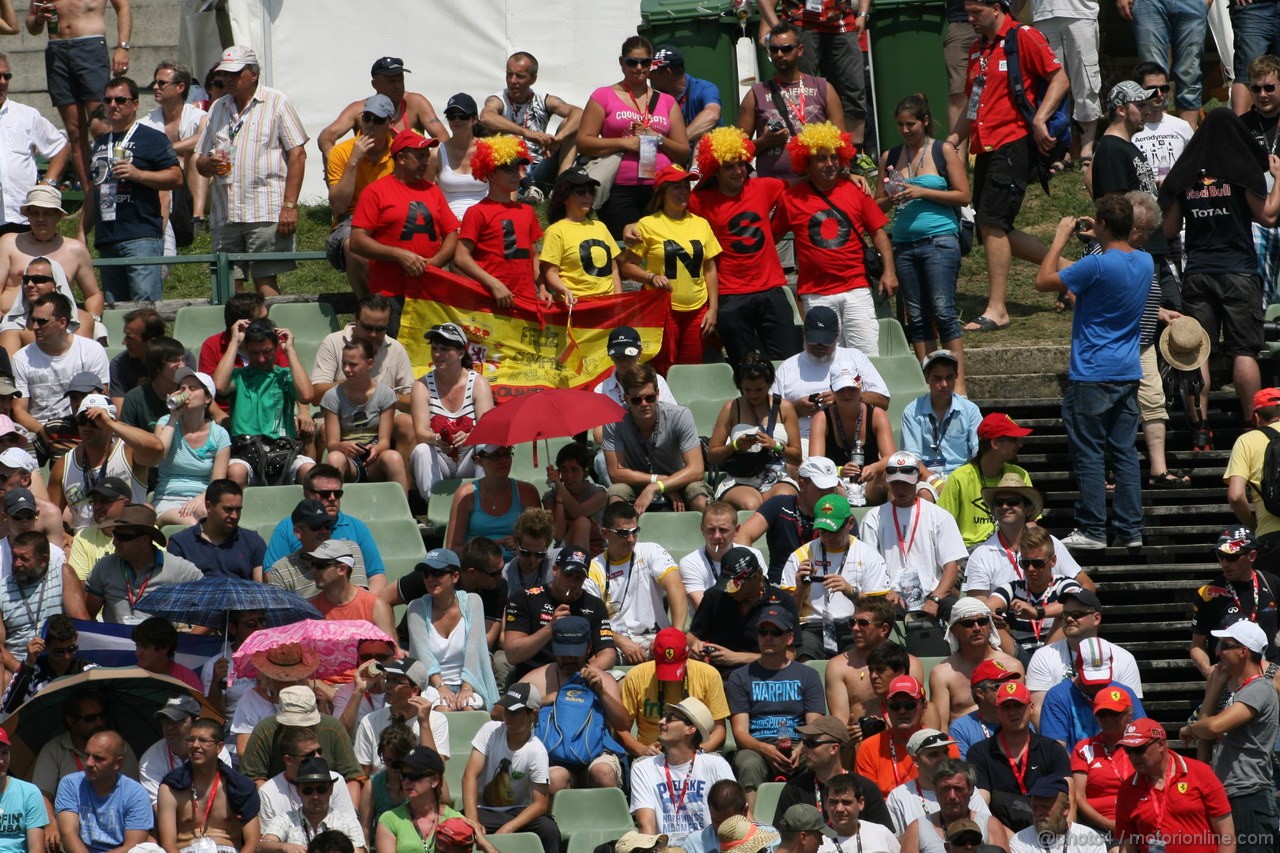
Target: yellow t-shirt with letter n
584, 253
679, 250
646, 698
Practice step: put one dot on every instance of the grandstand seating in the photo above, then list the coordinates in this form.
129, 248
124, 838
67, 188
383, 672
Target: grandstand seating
587, 840
515, 842
893, 340
399, 542
375, 501
269, 504
307, 320
439, 505
678, 532
194, 323
701, 381
767, 796
463, 726
113, 320
580, 809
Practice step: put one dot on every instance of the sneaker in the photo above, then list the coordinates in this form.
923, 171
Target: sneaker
1079, 541
1131, 544
533, 195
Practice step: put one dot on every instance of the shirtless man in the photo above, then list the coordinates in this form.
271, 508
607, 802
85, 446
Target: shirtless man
850, 693
43, 208
950, 692
182, 123
523, 112
179, 820
77, 63
413, 111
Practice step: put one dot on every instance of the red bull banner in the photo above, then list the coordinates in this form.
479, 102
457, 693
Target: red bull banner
529, 345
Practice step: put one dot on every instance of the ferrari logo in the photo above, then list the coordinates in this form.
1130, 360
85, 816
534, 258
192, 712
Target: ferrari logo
1000, 666
1115, 695
1182, 787
670, 653
1010, 687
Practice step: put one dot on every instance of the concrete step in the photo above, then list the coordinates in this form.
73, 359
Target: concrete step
1009, 385
995, 361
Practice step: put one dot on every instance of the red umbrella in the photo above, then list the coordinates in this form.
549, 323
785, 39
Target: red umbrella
547, 413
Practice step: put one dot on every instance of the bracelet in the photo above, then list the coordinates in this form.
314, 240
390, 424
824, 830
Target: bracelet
289, 205
935, 481
652, 276
778, 446
662, 488
933, 598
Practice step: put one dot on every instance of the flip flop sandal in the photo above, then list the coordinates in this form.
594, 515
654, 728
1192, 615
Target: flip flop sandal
1167, 480
986, 324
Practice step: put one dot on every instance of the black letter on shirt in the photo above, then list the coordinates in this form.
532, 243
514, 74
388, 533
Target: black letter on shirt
510, 247
418, 220
815, 230
750, 237
673, 252
586, 257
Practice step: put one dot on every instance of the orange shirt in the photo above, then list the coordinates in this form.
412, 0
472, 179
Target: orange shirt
359, 608
883, 759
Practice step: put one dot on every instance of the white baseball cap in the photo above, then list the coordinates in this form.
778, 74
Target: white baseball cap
1246, 633
820, 471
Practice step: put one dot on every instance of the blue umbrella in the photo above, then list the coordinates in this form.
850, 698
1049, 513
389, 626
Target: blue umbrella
209, 602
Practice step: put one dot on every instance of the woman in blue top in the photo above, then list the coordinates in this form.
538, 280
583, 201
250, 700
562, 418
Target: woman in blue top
196, 451
489, 505
926, 229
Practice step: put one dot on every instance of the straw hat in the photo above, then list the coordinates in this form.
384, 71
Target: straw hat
289, 662
739, 835
1013, 484
1185, 344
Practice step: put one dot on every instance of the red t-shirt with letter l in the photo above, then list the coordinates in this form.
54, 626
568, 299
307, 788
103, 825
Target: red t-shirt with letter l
828, 251
409, 216
749, 262
505, 235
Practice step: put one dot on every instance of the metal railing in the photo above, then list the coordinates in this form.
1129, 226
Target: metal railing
221, 273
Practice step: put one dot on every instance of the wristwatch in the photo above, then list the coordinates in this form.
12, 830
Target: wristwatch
933, 598
1039, 611
124, 45
290, 205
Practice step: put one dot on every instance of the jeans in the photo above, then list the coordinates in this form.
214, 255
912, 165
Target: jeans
1254, 815
857, 312
758, 322
133, 284
927, 273
1159, 25
1256, 31
1102, 419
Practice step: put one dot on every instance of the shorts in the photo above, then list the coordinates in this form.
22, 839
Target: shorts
1000, 180
1151, 402
766, 481
1227, 302
580, 777
1078, 38
298, 462
254, 237
955, 53
77, 70
689, 493
335, 248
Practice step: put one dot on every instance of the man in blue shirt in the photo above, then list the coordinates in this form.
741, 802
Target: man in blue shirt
1067, 712
699, 99
1100, 406
99, 809
983, 722
218, 545
941, 427
324, 484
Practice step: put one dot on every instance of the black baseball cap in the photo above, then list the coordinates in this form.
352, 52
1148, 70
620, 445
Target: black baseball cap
311, 513
778, 616
576, 177
112, 487
624, 340
462, 103
570, 637
821, 326
571, 559
667, 56
389, 66
1087, 597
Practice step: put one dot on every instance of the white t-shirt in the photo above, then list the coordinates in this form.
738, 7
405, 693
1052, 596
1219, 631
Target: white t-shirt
1162, 142
907, 804
611, 389
874, 839
861, 565
802, 375
632, 590
686, 789
1055, 663
370, 729
23, 128
252, 709
990, 567
43, 379
931, 537
370, 703
528, 766
156, 763
1083, 839
699, 572
280, 797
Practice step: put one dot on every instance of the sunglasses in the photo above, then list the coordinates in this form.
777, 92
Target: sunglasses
1231, 558
587, 191
437, 573
217, 84
315, 753
970, 624
160, 84
1164, 90
812, 742
643, 399
370, 118
327, 493
1138, 750
770, 632
904, 706
207, 741
316, 528
1228, 646
1262, 87
1032, 563
38, 279
100, 717
864, 623
901, 469
374, 330
312, 790
414, 776
41, 322
525, 552
1006, 501
121, 100
393, 765
501, 453
624, 532
456, 117
782, 48
1076, 615
636, 62
127, 535
6, 76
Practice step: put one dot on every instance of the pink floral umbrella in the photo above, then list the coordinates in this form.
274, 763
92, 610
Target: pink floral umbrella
333, 641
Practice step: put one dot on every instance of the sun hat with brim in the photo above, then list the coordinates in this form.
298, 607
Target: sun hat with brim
1266, 397
1185, 344
737, 566
906, 685
237, 57
630, 842
1000, 425
289, 662
820, 471
313, 770
692, 710
739, 835
298, 707
1013, 484
45, 196
139, 516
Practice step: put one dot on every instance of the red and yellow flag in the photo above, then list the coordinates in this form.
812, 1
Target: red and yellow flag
529, 345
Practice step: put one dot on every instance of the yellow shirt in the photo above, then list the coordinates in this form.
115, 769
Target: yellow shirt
367, 171
679, 249
645, 698
87, 548
584, 253
1246, 461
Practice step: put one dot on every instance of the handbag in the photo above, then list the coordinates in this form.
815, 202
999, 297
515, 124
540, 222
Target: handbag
872, 262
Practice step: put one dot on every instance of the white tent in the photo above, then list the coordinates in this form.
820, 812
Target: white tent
319, 51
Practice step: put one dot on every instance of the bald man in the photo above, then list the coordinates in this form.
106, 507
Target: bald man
98, 809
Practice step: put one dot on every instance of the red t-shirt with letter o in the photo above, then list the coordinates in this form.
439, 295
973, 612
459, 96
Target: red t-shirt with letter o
828, 251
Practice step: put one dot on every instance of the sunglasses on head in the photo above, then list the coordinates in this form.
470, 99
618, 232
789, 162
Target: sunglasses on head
782, 48
643, 399
901, 469
904, 706
371, 118
1262, 87
636, 62
38, 279
121, 100
624, 532
1032, 563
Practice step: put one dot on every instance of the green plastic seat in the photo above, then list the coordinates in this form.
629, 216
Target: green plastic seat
516, 842
690, 382
438, 507
767, 796
195, 323
893, 340
268, 504
305, 319
705, 411
522, 467
586, 841
905, 381
307, 349
797, 315
375, 501
113, 319
820, 667
678, 532
463, 726
400, 544
580, 809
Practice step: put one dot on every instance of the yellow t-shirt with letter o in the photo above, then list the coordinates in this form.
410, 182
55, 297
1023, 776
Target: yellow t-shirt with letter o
584, 253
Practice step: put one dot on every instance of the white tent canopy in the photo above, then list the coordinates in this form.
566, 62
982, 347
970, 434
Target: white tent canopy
319, 51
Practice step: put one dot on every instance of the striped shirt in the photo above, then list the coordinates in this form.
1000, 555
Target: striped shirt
260, 136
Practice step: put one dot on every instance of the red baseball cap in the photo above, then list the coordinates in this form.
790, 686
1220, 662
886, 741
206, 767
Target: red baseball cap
412, 139
1142, 732
1112, 699
906, 684
991, 670
670, 654
1266, 397
1013, 691
671, 175
4, 737
1000, 425
457, 831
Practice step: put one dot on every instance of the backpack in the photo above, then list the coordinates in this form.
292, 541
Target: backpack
1059, 123
964, 215
573, 728
1270, 491
270, 458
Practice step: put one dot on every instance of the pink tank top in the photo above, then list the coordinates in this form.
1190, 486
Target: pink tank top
621, 116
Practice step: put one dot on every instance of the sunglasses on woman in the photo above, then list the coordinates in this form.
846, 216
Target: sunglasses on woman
636, 62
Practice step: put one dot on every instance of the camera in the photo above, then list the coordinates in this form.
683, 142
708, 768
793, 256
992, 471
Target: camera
871, 726
1081, 226
775, 126
1270, 330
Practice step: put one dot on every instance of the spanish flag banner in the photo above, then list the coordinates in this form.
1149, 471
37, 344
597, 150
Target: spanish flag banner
529, 345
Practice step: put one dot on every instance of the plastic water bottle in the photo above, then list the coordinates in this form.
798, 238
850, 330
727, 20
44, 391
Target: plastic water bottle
894, 183
854, 490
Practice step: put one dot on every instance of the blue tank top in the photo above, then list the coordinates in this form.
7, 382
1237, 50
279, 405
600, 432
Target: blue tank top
919, 219
495, 527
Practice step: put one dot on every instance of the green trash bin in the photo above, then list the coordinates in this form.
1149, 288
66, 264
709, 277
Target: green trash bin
705, 32
906, 53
